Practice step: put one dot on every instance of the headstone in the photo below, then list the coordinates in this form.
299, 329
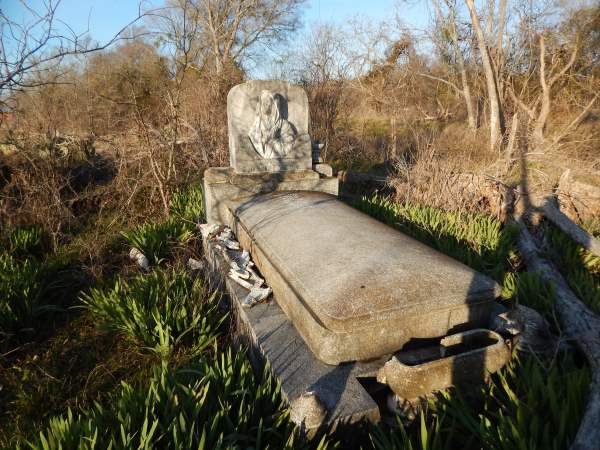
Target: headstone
269, 147
268, 127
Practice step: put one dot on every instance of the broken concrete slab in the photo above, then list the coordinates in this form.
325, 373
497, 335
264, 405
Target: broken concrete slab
354, 288
466, 358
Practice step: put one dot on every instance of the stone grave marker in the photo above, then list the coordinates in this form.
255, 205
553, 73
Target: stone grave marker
353, 299
269, 147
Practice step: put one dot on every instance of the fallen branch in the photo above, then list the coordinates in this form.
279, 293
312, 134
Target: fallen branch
574, 231
579, 325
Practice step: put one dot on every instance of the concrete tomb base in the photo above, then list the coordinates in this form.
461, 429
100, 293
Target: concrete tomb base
358, 310
323, 395
355, 288
274, 341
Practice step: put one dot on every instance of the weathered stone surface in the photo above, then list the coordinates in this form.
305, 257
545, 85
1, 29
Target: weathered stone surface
323, 169
268, 127
276, 342
354, 288
222, 184
463, 358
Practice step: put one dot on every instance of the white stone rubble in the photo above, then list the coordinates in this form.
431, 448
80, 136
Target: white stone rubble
241, 267
139, 258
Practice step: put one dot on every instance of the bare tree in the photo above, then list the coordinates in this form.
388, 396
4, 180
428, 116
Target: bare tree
31, 49
496, 123
449, 22
554, 62
228, 30
322, 66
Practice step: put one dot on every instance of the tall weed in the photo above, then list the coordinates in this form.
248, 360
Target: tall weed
30, 284
157, 240
188, 205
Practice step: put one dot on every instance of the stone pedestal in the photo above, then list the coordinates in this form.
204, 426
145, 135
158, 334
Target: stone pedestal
223, 184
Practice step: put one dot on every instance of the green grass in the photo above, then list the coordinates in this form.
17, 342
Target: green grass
210, 404
531, 403
188, 205
196, 391
580, 268
157, 240
32, 284
159, 311
480, 242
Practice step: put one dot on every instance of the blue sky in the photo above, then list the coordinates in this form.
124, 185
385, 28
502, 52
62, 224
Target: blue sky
106, 17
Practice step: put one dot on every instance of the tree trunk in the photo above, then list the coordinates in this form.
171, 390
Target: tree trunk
496, 116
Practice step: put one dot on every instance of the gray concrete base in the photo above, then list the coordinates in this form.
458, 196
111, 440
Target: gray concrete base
274, 341
222, 184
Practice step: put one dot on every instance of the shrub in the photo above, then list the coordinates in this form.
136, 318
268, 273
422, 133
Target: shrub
28, 289
160, 311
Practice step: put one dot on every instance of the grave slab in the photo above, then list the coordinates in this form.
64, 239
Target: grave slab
354, 288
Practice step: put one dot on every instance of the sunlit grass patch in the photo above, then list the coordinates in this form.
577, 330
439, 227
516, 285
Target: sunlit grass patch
160, 311
210, 404
478, 241
27, 242
580, 267
188, 205
531, 403
157, 240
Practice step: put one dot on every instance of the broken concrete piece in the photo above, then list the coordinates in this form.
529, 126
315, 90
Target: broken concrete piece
464, 358
227, 239
323, 169
139, 258
308, 411
240, 280
256, 295
194, 264
208, 229
355, 288
533, 329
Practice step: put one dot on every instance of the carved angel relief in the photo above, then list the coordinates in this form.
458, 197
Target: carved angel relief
271, 135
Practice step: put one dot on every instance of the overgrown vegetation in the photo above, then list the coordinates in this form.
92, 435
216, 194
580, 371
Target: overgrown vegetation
33, 285
195, 391
531, 403
102, 151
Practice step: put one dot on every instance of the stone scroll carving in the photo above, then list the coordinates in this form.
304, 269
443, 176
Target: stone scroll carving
271, 135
